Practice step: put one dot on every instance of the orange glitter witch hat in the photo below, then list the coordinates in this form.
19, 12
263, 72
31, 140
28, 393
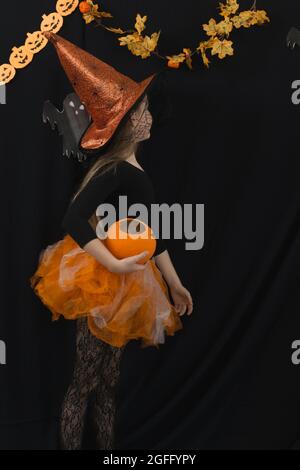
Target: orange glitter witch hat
107, 94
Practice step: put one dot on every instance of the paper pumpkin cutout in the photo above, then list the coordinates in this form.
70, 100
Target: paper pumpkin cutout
7, 73
35, 42
20, 57
66, 7
52, 22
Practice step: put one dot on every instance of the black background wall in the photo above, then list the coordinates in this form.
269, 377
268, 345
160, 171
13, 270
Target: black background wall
226, 381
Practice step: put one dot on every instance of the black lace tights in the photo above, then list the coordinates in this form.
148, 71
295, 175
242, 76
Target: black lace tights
95, 378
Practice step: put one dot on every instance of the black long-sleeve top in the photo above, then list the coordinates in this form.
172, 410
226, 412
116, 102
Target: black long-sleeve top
124, 179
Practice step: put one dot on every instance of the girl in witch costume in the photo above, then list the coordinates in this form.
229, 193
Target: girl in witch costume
113, 300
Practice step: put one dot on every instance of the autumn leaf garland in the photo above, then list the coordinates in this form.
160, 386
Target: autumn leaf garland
218, 32
218, 43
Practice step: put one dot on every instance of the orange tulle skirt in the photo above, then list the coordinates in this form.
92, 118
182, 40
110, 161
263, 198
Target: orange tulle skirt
118, 307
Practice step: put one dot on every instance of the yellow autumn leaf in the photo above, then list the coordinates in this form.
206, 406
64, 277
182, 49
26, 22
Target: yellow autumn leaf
92, 14
95, 11
140, 23
150, 43
229, 8
184, 56
188, 57
202, 48
177, 58
205, 59
211, 27
139, 45
88, 18
115, 30
262, 17
224, 28
139, 49
105, 14
237, 21
130, 38
245, 19
222, 48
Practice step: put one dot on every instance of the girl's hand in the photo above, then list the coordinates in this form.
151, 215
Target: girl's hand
129, 265
182, 299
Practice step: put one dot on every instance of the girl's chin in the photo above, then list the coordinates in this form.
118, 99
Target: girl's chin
146, 137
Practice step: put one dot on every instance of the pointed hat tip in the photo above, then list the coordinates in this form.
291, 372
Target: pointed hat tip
51, 36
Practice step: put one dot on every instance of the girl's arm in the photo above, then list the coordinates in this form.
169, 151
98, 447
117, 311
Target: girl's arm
181, 297
77, 219
98, 250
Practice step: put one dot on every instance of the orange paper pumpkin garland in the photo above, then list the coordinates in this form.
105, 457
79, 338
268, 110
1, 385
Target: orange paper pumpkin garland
23, 55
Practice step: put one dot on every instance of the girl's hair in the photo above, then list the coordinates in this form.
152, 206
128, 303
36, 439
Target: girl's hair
121, 147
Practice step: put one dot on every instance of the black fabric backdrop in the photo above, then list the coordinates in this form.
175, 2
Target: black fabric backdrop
226, 380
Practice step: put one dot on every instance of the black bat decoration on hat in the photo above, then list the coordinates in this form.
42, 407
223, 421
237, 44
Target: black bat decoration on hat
71, 123
293, 38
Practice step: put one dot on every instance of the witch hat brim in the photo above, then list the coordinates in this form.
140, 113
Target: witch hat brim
108, 95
